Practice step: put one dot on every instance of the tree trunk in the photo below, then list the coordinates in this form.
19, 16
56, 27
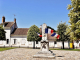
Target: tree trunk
63, 44
33, 44
72, 44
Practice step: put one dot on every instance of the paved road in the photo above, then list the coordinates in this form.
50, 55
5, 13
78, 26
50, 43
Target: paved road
27, 54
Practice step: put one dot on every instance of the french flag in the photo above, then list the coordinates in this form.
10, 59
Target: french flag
47, 30
39, 35
55, 35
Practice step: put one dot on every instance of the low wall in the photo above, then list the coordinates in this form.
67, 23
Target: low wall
2, 42
30, 44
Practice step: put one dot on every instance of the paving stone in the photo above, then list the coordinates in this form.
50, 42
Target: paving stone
27, 54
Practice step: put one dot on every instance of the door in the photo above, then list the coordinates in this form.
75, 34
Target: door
7, 42
14, 41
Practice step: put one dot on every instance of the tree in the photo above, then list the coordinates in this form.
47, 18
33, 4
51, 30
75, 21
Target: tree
74, 29
32, 35
51, 28
2, 33
61, 29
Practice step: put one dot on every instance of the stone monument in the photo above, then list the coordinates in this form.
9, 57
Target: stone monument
44, 53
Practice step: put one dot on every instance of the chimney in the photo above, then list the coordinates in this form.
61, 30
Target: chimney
41, 29
40, 26
14, 20
3, 19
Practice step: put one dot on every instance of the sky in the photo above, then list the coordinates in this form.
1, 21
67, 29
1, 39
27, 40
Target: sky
35, 12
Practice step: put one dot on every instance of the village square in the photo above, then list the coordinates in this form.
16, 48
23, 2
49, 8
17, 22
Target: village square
39, 41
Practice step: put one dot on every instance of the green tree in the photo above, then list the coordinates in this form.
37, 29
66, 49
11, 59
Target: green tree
61, 29
74, 29
51, 28
2, 33
32, 35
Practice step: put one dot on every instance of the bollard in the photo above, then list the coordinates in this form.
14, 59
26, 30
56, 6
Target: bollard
19, 46
76, 47
4, 46
11, 46
61, 47
36, 47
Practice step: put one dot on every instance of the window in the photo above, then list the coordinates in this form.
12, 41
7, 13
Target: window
7, 41
14, 41
55, 42
36, 42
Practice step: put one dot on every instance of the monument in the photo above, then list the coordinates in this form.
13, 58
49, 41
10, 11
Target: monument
44, 53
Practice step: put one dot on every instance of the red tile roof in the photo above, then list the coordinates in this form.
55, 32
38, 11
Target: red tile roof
50, 38
20, 31
7, 24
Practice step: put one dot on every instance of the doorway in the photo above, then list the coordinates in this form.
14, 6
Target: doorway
7, 42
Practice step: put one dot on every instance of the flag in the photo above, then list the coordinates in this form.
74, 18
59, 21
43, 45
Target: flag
48, 30
58, 36
39, 35
55, 35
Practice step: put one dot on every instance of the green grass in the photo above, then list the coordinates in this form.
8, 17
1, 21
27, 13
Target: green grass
58, 49
6, 48
65, 49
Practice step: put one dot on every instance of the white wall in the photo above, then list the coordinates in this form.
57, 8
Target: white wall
7, 34
30, 43
2, 43
19, 40
59, 44
76, 44
66, 44
51, 44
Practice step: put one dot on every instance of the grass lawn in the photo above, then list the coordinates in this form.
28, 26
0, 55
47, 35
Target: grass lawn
6, 48
58, 49
65, 49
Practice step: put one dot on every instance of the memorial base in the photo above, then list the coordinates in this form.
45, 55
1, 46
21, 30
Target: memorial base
44, 54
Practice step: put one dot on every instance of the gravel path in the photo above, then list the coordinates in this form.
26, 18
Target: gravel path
27, 54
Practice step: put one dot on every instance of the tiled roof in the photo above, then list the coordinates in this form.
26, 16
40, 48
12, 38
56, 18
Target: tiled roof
50, 38
20, 31
7, 24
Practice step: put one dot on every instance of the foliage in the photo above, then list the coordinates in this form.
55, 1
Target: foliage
2, 33
74, 29
61, 29
32, 35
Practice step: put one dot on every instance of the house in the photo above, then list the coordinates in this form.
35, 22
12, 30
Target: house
18, 36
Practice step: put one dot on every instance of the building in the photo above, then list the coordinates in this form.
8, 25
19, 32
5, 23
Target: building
18, 36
